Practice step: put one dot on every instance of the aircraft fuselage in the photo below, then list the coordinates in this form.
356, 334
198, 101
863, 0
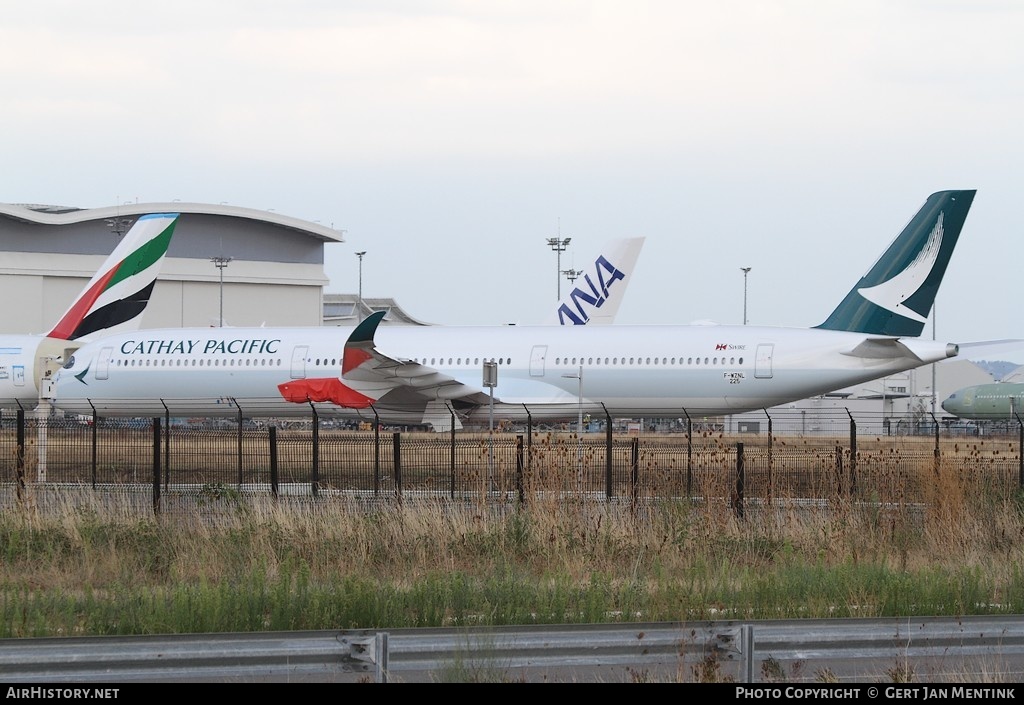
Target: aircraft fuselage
626, 371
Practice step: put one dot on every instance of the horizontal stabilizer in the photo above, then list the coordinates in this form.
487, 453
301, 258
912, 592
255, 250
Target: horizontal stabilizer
892, 348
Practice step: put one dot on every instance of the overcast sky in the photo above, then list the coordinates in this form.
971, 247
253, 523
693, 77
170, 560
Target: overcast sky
449, 140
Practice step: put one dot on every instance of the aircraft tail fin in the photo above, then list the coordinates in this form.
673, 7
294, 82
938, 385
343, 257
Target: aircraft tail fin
596, 295
118, 293
896, 296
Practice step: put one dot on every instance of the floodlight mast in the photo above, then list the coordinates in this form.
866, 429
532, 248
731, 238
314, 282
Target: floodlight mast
360, 256
221, 263
558, 244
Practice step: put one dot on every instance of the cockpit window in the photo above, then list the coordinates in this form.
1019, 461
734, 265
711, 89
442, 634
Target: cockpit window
70, 363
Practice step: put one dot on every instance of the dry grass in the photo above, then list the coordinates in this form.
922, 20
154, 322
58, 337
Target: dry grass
912, 538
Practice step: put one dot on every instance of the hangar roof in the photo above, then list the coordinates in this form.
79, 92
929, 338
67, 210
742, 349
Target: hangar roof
349, 309
66, 215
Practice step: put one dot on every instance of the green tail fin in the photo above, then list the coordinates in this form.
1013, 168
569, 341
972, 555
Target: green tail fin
895, 297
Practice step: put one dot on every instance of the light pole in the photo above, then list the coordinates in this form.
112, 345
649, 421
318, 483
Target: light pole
360, 256
746, 271
221, 263
885, 426
118, 226
559, 245
572, 275
934, 388
490, 381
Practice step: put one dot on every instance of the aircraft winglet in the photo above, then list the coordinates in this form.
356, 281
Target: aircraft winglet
367, 327
359, 345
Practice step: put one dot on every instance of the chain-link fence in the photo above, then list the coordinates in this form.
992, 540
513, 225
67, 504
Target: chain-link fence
614, 460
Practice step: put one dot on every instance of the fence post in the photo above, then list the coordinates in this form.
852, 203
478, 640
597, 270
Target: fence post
239, 445
396, 449
156, 465
273, 461
853, 452
376, 452
938, 452
737, 500
608, 489
167, 445
634, 470
771, 438
1020, 452
689, 455
529, 437
451, 458
315, 484
95, 464
519, 469
747, 649
20, 462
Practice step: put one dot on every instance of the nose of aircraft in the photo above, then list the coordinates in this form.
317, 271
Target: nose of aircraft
949, 403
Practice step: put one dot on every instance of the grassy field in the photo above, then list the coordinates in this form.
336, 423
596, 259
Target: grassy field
90, 565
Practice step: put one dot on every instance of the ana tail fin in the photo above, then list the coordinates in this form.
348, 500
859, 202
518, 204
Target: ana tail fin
896, 295
596, 295
118, 293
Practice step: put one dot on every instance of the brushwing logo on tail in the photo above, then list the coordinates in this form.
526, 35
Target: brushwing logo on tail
891, 294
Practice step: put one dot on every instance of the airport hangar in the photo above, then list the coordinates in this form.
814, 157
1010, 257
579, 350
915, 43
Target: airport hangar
272, 273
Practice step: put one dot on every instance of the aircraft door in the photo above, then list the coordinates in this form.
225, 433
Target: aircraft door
18, 371
103, 363
763, 361
537, 357
299, 361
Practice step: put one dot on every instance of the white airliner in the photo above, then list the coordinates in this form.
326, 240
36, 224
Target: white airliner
434, 374
112, 301
596, 298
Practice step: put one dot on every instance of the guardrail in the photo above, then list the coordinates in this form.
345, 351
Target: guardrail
896, 650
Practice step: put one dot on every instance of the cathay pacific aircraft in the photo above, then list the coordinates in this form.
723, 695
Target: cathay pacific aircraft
443, 375
112, 301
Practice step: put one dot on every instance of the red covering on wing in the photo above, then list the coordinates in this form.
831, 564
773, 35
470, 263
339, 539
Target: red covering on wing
329, 389
354, 357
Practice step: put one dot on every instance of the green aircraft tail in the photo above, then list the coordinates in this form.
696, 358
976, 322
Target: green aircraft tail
896, 296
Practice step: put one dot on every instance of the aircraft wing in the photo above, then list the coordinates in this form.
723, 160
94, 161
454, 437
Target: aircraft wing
369, 371
373, 379
368, 376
